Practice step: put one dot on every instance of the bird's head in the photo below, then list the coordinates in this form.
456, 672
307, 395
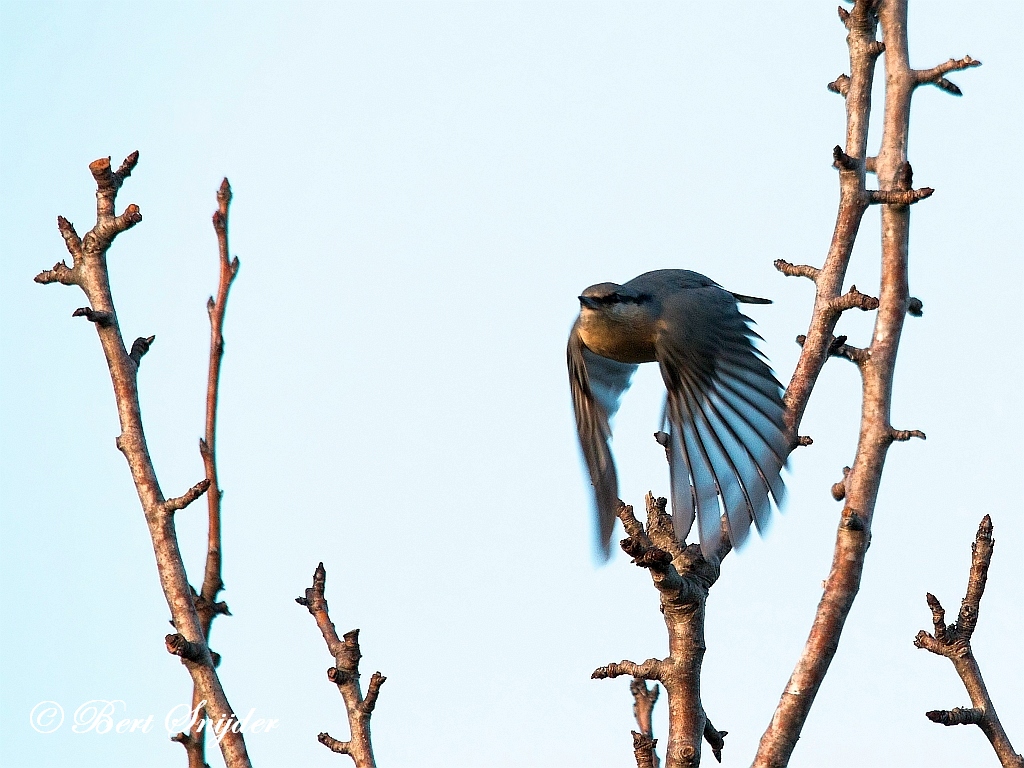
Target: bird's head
611, 298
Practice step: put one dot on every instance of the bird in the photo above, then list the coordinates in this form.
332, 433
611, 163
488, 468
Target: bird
727, 441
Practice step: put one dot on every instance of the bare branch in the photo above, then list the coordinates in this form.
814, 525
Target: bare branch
59, 274
193, 493
683, 578
838, 347
372, 691
860, 485
852, 353
956, 716
344, 674
90, 273
938, 616
934, 76
899, 197
854, 299
842, 161
71, 238
981, 558
128, 219
207, 605
840, 85
797, 270
649, 670
341, 747
107, 180
902, 435
954, 642
856, 88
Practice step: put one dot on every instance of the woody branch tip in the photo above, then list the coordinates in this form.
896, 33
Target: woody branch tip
898, 196
643, 750
902, 435
797, 270
193, 493
372, 692
178, 645
345, 675
649, 670
102, 318
935, 75
340, 747
853, 299
839, 348
715, 739
842, 161
140, 347
108, 179
840, 85
954, 642
956, 716
839, 489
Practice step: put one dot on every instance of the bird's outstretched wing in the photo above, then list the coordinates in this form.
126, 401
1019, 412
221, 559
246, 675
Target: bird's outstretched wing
597, 384
725, 417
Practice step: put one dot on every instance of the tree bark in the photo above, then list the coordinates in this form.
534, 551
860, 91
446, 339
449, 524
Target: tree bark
89, 272
877, 363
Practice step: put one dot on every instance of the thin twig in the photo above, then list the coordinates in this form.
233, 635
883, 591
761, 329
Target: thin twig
207, 605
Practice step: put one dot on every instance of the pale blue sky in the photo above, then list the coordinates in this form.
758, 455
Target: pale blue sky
421, 192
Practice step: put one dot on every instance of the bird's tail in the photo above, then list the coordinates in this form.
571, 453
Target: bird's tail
749, 299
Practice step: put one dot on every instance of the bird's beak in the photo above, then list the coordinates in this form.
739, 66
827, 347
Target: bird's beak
588, 302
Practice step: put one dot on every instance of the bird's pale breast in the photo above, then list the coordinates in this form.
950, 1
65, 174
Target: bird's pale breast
626, 334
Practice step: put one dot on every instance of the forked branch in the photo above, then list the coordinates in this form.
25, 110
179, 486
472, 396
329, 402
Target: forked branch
345, 675
849, 160
859, 487
89, 272
683, 578
954, 642
936, 75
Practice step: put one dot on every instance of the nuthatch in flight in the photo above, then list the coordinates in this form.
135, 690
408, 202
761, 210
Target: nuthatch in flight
727, 440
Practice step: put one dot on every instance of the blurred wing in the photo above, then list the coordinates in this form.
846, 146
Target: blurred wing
597, 384
725, 417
